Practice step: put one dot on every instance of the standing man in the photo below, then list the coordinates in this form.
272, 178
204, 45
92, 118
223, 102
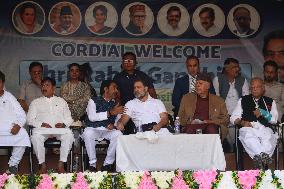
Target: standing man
65, 25
254, 113
273, 49
231, 86
31, 89
202, 110
51, 118
273, 88
125, 82
186, 84
12, 120
146, 112
102, 112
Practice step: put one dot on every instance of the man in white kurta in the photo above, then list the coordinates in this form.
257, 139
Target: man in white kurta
145, 110
51, 117
12, 119
254, 113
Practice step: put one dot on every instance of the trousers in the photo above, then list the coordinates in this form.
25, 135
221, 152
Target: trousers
38, 140
90, 137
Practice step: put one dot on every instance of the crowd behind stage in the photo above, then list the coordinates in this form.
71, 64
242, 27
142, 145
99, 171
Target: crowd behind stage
129, 103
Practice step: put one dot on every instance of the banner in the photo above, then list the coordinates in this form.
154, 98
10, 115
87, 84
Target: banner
161, 33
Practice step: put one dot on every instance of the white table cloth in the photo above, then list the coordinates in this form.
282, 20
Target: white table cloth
182, 151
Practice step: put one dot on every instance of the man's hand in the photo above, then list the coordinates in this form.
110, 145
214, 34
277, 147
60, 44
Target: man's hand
246, 124
110, 127
257, 113
209, 121
59, 125
15, 129
156, 128
120, 126
46, 125
117, 109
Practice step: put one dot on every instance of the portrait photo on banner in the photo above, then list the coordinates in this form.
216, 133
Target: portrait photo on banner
64, 18
101, 18
137, 19
208, 20
243, 20
173, 19
28, 17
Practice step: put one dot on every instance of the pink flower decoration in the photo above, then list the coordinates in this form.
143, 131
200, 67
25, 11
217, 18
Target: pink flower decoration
80, 182
205, 178
3, 179
45, 183
178, 182
147, 182
248, 178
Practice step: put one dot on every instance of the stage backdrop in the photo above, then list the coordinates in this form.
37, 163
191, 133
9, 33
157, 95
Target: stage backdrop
161, 33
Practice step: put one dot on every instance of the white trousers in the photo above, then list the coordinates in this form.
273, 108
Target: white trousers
90, 136
17, 154
257, 140
38, 145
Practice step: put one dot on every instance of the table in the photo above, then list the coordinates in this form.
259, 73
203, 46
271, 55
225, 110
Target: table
183, 151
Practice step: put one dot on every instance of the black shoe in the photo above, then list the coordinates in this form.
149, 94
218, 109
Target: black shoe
92, 169
107, 168
266, 159
12, 170
257, 162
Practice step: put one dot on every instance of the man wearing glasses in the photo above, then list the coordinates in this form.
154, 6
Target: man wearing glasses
273, 49
137, 16
31, 89
125, 81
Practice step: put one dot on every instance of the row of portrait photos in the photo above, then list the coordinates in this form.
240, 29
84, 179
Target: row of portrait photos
137, 19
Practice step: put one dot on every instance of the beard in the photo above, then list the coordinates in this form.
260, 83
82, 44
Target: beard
140, 95
268, 79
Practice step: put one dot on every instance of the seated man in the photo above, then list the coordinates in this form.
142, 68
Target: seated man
12, 119
254, 112
146, 112
102, 111
51, 118
202, 110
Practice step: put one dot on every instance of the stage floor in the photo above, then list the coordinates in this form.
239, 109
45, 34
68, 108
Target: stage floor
52, 159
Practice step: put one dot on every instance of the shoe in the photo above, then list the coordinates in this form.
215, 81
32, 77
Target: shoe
107, 168
257, 162
266, 159
92, 169
12, 170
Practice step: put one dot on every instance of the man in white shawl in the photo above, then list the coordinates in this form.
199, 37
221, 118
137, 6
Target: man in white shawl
12, 120
255, 113
51, 118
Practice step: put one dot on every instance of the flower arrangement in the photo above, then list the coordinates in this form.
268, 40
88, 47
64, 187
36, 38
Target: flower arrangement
251, 179
128, 180
205, 178
3, 180
45, 183
248, 179
178, 182
163, 179
147, 182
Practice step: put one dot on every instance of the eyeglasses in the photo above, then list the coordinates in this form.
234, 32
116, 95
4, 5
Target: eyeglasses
128, 61
273, 53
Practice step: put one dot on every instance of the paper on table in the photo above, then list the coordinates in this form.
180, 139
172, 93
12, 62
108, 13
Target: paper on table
197, 121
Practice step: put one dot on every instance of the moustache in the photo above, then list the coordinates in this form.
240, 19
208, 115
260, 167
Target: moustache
204, 23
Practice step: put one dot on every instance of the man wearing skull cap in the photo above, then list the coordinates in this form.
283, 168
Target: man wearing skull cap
137, 14
65, 25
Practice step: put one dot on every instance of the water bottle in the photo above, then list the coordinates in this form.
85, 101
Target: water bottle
75, 164
177, 125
